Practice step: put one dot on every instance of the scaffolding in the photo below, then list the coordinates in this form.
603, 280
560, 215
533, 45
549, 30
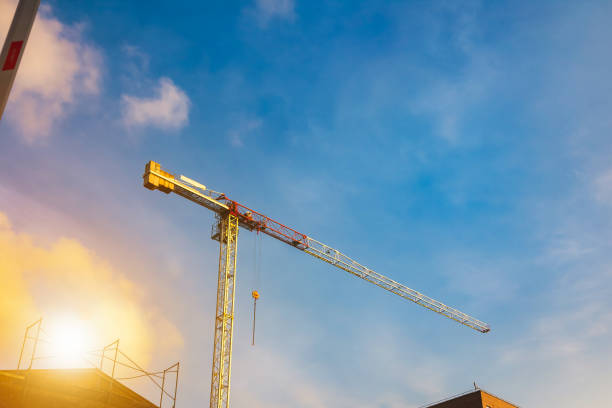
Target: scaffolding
111, 354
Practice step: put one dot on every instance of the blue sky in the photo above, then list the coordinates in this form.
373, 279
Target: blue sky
462, 149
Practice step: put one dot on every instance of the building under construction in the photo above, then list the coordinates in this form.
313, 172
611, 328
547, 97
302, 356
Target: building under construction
473, 399
28, 387
66, 388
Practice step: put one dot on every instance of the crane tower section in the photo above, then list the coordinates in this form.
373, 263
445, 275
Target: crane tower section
227, 234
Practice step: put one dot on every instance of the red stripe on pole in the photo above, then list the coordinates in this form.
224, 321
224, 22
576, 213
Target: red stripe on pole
12, 56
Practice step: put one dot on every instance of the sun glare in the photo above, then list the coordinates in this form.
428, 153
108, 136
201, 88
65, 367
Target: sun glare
69, 342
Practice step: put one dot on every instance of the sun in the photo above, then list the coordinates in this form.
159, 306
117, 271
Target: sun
69, 342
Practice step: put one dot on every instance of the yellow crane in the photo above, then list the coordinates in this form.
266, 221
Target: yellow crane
230, 216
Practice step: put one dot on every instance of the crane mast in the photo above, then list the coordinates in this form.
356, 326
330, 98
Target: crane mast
227, 234
230, 216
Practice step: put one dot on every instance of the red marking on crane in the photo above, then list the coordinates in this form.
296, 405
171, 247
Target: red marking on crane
13, 55
267, 225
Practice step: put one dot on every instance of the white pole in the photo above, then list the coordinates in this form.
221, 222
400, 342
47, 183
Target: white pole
14, 45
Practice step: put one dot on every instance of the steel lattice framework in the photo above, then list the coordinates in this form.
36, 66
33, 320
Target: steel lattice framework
231, 215
227, 234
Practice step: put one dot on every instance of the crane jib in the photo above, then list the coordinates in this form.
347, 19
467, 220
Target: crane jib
155, 178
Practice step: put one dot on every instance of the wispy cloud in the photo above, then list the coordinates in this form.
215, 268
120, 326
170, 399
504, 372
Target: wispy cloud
449, 98
167, 109
286, 380
242, 129
603, 187
282, 381
58, 68
265, 11
448, 101
570, 337
138, 60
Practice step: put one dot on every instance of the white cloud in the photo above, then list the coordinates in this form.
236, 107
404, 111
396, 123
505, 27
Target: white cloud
267, 10
168, 109
58, 66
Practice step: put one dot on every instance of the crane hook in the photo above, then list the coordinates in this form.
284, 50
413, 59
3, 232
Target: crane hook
255, 295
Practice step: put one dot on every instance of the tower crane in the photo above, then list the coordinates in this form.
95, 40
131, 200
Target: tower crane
230, 216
